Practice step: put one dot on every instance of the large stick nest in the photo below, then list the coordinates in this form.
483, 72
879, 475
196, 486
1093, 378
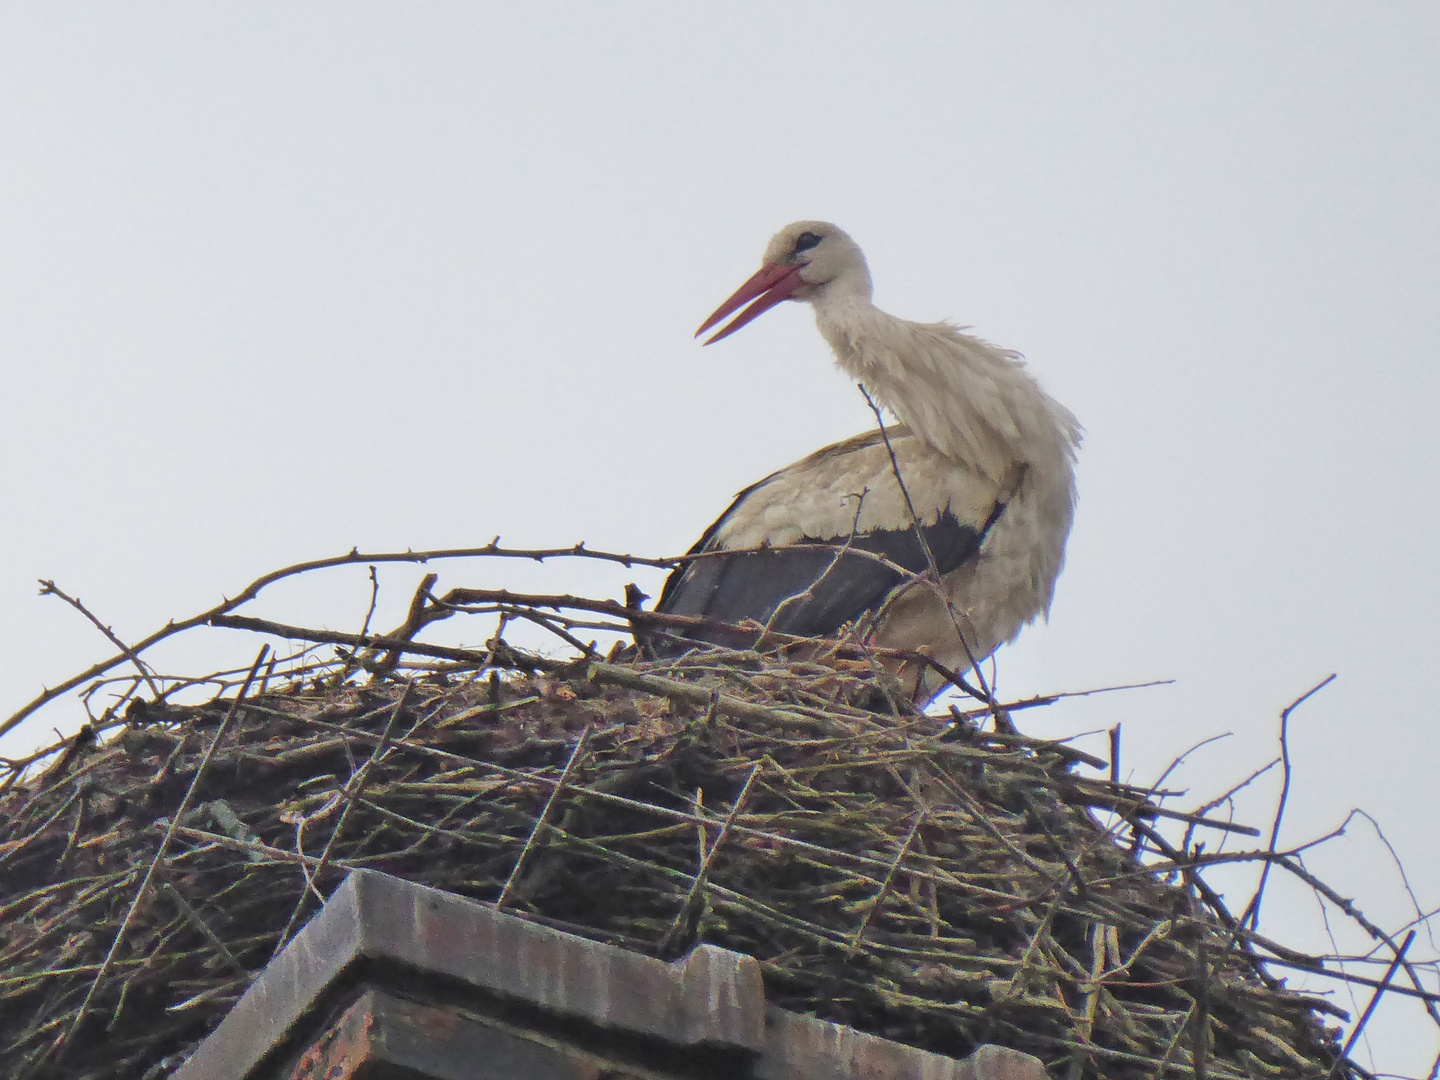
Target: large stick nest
920, 877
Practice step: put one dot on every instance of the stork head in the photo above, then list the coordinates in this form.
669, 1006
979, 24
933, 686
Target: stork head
806, 260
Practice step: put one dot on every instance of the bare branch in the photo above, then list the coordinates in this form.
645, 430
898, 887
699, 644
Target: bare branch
1251, 914
49, 588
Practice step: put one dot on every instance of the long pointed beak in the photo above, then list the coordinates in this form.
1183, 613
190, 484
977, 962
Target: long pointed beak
771, 284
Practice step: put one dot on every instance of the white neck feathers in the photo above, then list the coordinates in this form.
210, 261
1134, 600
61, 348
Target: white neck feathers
972, 401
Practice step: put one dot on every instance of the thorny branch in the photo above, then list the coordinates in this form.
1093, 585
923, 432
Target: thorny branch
49, 588
353, 557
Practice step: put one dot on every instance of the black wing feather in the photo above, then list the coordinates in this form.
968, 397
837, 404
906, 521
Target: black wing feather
734, 586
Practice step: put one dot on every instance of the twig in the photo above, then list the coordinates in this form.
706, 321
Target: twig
1040, 700
1200, 1045
1420, 917
1317, 967
140, 893
506, 656
62, 865
300, 820
884, 890
193, 918
551, 625
414, 621
1174, 1043
544, 819
352, 558
697, 807
351, 796
694, 694
1225, 797
49, 588
1212, 899
1251, 915
269, 672
350, 657
1127, 807
696, 893
1042, 930
1086, 1025
835, 559
1395, 964
1231, 792
1359, 917
462, 599
254, 847
934, 567
15, 847
1179, 759
1026, 742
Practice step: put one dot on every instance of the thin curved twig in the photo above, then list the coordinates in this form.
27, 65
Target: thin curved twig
1251, 915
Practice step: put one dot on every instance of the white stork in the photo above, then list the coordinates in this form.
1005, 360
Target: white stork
986, 457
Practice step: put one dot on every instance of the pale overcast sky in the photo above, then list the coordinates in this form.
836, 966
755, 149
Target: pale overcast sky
277, 280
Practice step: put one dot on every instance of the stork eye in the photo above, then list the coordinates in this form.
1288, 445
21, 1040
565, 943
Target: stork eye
805, 241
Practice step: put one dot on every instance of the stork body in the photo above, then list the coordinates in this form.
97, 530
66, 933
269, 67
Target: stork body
985, 455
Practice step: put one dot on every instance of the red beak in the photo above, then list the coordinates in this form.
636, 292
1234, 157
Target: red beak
771, 284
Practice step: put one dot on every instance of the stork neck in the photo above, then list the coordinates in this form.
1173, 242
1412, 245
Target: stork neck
870, 346
971, 401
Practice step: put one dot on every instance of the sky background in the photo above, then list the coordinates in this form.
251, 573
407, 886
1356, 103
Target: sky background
278, 280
